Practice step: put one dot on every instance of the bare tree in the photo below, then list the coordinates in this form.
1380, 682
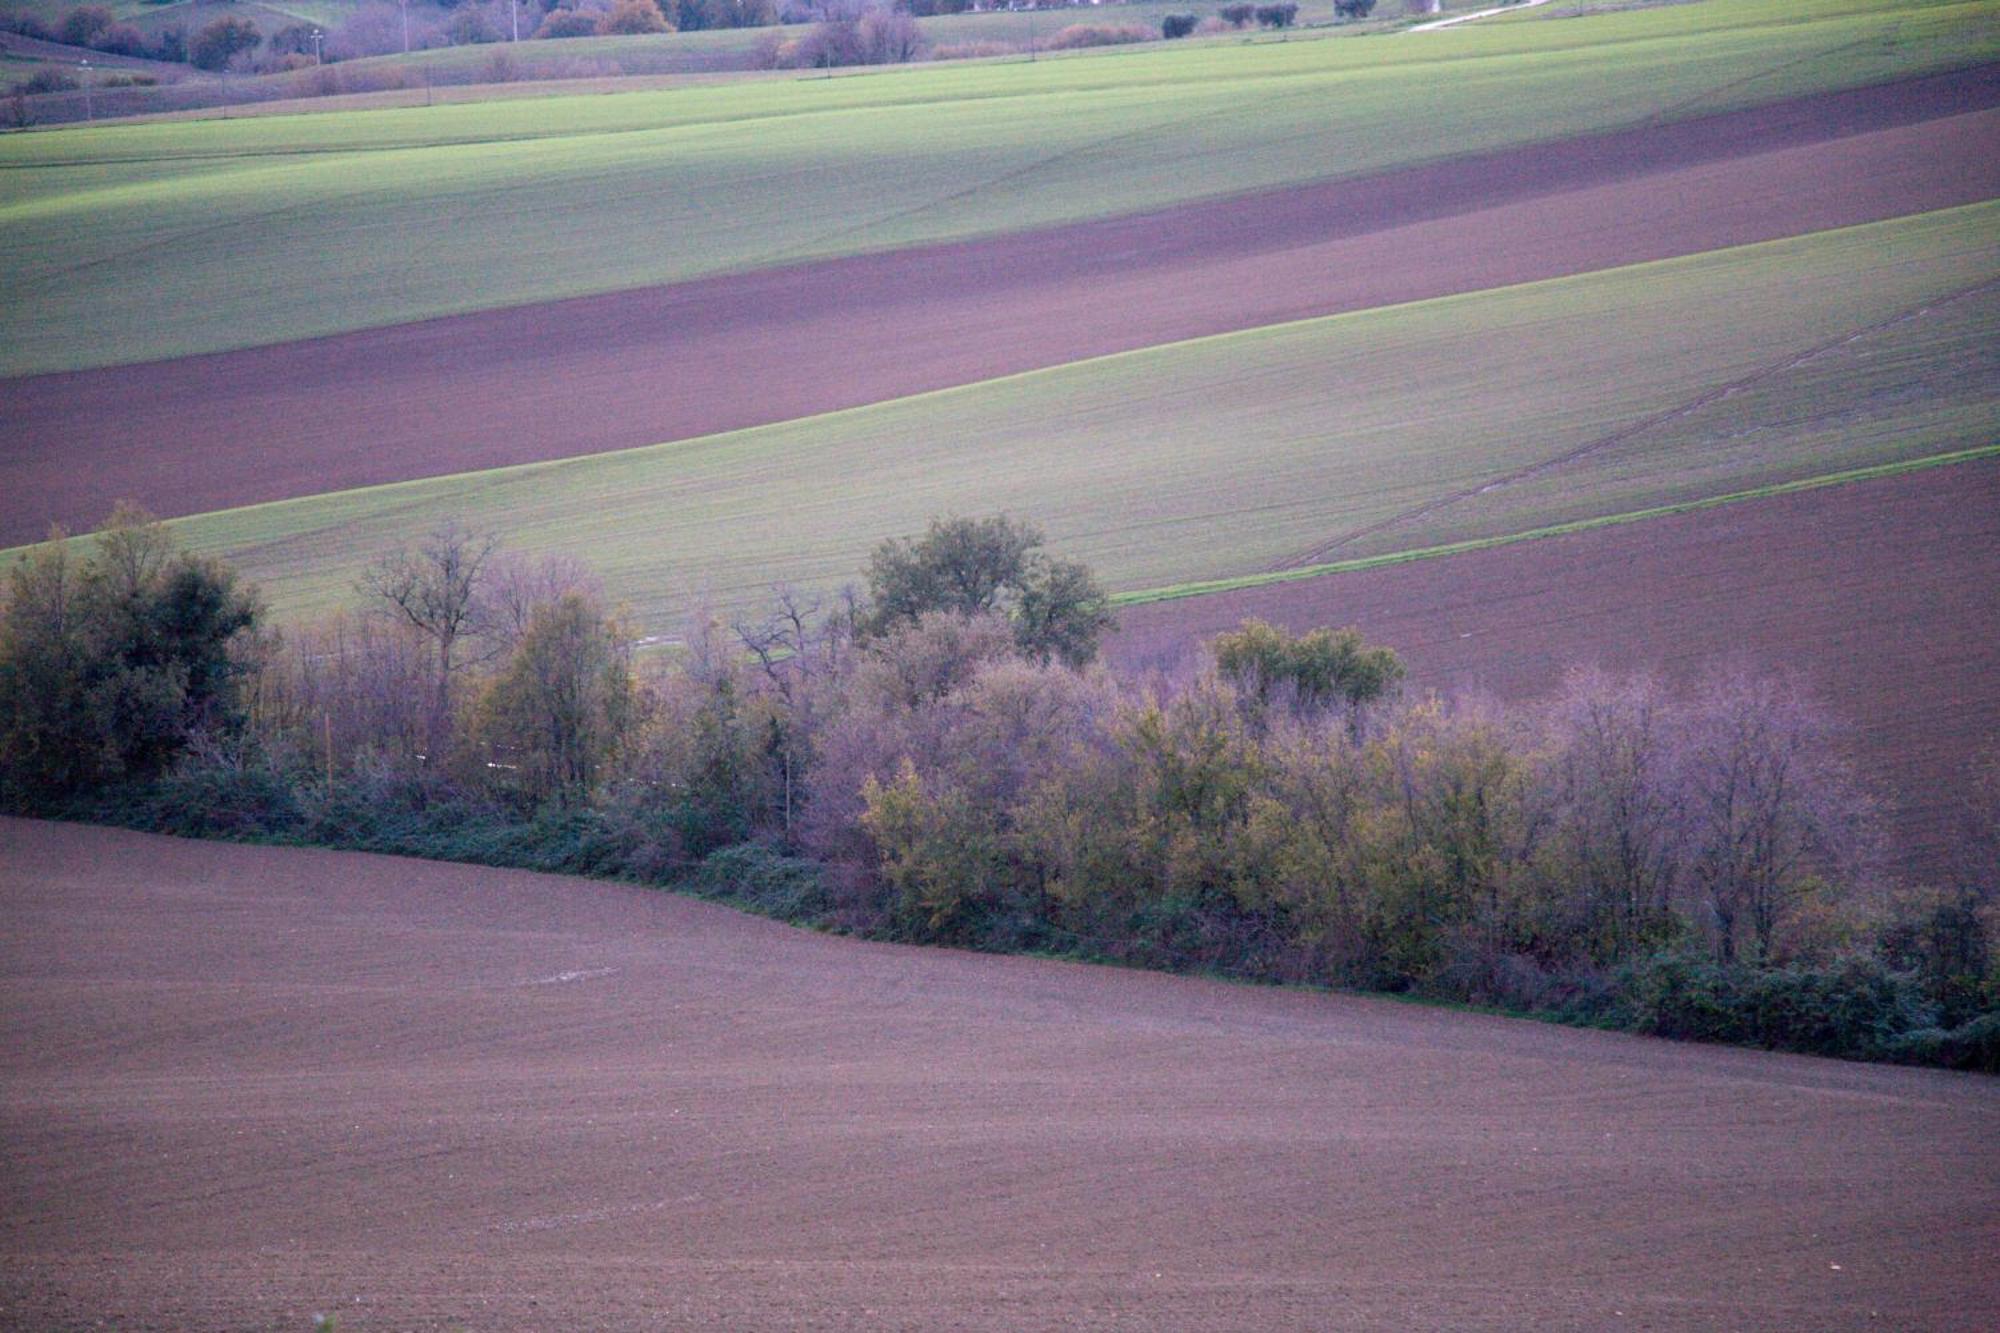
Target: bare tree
800, 648
889, 38
1617, 811
1773, 812
512, 586
434, 587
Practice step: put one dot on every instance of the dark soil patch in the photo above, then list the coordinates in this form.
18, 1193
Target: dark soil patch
242, 1086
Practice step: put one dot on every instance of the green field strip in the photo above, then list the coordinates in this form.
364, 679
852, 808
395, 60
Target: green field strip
1145, 596
1219, 457
1926, 384
133, 242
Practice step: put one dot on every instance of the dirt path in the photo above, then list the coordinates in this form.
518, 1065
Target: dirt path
641, 367
1885, 594
241, 1086
1457, 19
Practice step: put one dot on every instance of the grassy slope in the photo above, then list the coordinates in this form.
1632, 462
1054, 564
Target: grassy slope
1224, 455
210, 235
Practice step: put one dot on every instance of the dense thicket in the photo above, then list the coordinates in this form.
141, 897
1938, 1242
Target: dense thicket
928, 760
114, 660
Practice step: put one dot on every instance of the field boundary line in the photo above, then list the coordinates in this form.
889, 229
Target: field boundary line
1707, 397
1178, 591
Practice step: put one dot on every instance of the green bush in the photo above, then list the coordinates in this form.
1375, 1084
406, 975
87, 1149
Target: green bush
567, 23
1973, 1045
224, 800
222, 41
762, 879
1857, 1008
49, 81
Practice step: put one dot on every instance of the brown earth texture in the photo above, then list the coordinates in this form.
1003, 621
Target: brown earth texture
641, 367
242, 1087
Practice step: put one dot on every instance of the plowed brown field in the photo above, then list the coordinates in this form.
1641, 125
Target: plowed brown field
241, 1086
1884, 594
641, 367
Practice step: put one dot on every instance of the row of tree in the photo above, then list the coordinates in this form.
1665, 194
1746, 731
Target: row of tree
939, 757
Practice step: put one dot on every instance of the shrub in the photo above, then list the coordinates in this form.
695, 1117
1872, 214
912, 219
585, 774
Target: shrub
500, 67
701, 15
632, 17
1310, 672
49, 81
829, 45
1238, 15
170, 43
973, 50
1353, 9
469, 27
1857, 1009
1942, 937
294, 39
218, 792
761, 879
1079, 35
1973, 1045
1277, 16
567, 23
771, 51
84, 25
222, 41
27, 25
1177, 25
122, 39
889, 38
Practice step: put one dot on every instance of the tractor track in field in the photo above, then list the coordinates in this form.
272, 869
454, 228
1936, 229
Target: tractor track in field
1325, 551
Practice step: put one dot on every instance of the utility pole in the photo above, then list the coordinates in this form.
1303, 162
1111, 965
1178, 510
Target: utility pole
514, 11
406, 25
319, 57
87, 115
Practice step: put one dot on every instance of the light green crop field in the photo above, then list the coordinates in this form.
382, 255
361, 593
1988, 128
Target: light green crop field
132, 242
1227, 455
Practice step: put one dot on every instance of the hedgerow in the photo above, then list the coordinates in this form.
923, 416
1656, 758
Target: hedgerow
941, 761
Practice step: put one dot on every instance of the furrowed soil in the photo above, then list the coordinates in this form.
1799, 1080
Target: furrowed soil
240, 1087
647, 366
1882, 594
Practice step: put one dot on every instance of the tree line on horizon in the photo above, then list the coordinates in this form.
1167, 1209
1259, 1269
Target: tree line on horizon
941, 757
835, 33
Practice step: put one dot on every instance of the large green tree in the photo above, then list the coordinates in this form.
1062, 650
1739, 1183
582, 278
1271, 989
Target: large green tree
110, 660
553, 715
1320, 669
973, 567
